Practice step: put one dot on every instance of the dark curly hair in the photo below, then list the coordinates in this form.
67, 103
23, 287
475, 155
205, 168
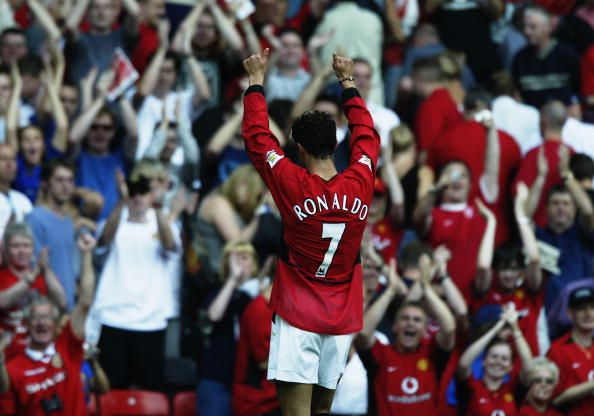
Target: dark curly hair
316, 132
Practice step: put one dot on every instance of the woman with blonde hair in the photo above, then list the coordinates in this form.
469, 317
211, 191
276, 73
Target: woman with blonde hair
542, 379
224, 307
228, 213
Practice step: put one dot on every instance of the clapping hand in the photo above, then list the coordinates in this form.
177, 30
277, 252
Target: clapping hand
86, 242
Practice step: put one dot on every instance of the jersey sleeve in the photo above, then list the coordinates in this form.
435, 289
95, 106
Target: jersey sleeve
262, 147
365, 141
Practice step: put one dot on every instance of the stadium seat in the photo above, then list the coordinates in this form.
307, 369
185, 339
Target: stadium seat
133, 402
184, 404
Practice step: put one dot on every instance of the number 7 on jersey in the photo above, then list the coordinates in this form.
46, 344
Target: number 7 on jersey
334, 232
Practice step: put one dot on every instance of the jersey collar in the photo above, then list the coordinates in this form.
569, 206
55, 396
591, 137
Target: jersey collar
44, 356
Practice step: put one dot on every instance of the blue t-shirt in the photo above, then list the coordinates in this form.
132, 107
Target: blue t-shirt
98, 173
28, 177
575, 260
58, 235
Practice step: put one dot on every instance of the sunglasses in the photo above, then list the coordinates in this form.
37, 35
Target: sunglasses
104, 127
549, 381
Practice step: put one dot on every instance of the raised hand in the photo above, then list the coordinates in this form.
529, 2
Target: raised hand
343, 68
442, 255
255, 67
86, 243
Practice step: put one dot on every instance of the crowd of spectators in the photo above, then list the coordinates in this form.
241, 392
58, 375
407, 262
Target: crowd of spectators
133, 220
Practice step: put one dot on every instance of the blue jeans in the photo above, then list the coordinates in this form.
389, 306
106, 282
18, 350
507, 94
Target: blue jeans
213, 399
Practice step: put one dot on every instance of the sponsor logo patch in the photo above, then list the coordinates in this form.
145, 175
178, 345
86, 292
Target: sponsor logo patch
366, 161
272, 158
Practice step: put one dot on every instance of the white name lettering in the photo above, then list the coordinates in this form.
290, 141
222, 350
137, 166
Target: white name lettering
318, 204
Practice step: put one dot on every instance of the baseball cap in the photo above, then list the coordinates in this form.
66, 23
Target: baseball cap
581, 296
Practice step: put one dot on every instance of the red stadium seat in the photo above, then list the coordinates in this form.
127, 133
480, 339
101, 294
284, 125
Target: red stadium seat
133, 402
184, 404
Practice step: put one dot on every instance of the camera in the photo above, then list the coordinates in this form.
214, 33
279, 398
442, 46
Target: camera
51, 405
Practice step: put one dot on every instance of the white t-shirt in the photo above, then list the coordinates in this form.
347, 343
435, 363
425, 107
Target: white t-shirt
350, 397
26, 113
151, 113
579, 135
138, 285
520, 121
384, 120
14, 204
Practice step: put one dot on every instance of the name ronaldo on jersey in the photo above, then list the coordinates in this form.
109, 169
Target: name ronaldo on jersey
336, 202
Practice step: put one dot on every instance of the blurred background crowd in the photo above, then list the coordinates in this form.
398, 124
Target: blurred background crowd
121, 120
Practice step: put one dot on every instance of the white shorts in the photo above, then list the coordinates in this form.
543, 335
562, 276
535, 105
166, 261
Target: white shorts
299, 356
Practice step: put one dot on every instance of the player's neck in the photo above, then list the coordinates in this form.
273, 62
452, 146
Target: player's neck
324, 168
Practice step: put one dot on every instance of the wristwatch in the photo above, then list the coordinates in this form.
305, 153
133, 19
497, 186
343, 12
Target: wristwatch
567, 176
349, 78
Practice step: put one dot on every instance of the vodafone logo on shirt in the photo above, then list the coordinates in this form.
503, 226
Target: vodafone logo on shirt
498, 413
410, 385
33, 388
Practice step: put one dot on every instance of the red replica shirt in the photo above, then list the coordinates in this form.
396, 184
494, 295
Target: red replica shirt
436, 115
460, 227
480, 401
467, 142
576, 365
527, 410
404, 383
318, 283
31, 381
529, 305
385, 238
587, 70
529, 171
11, 320
253, 394
147, 45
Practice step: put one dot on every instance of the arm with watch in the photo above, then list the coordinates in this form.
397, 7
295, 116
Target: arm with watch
582, 201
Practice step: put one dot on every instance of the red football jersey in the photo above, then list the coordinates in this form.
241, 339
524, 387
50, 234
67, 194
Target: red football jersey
253, 394
529, 305
529, 170
436, 115
318, 283
32, 381
576, 365
386, 239
460, 227
480, 401
404, 383
527, 410
467, 142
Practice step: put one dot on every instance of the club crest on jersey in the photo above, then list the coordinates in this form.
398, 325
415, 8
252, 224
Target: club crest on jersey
366, 161
272, 157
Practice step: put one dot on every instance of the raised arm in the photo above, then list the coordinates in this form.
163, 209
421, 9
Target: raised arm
533, 270
446, 337
151, 75
374, 314
77, 13
113, 221
226, 27
60, 137
393, 21
511, 318
4, 379
86, 244
82, 124
251, 37
395, 190
130, 122
54, 287
575, 393
11, 296
451, 293
187, 26
165, 233
237, 275
538, 184
482, 280
475, 349
45, 20
584, 205
223, 136
12, 113
489, 181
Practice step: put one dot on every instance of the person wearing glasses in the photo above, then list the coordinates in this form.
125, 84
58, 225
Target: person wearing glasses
543, 377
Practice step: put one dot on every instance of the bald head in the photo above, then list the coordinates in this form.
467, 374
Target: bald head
537, 26
552, 117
